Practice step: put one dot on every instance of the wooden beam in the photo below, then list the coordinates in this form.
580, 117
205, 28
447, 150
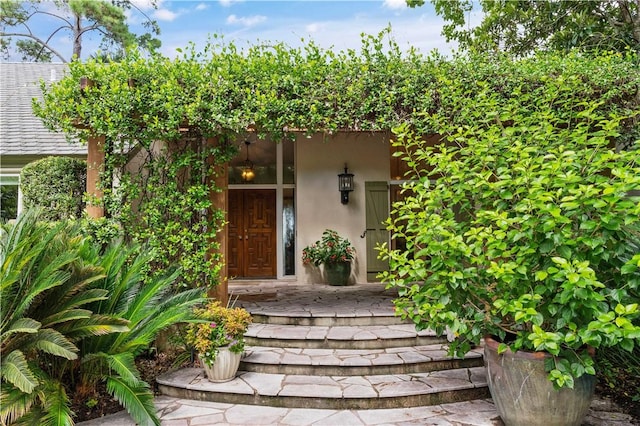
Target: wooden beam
219, 200
95, 166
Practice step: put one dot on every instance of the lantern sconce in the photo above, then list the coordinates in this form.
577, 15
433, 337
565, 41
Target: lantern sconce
247, 170
345, 185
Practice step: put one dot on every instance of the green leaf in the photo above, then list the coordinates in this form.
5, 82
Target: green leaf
53, 342
137, 400
16, 371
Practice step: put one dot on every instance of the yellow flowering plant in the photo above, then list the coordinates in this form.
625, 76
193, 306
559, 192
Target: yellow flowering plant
220, 326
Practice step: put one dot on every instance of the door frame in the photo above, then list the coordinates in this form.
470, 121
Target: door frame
279, 188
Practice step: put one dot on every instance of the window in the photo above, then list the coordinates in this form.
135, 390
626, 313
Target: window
9, 197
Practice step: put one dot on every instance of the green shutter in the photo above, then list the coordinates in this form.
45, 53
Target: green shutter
377, 211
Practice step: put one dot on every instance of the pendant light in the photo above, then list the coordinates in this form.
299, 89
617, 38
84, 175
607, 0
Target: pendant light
247, 170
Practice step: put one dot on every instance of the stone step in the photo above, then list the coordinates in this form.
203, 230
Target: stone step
340, 337
354, 362
330, 392
358, 305
328, 318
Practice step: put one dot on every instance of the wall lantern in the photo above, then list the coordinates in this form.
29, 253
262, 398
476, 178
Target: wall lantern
345, 185
247, 169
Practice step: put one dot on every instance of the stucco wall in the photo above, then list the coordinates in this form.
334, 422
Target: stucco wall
319, 160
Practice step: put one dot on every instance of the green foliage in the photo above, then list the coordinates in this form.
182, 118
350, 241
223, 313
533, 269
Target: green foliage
518, 223
525, 27
217, 94
107, 310
169, 209
331, 248
55, 185
214, 96
76, 18
41, 264
104, 231
148, 305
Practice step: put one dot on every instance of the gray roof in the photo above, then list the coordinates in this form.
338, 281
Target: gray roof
22, 133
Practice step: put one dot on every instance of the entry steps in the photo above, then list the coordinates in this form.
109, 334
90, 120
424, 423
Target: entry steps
340, 362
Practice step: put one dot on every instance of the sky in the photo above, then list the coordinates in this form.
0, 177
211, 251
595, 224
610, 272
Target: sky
333, 24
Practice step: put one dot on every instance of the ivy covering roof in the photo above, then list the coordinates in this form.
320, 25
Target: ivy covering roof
274, 88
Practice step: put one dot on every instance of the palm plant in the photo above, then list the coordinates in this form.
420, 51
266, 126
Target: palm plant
40, 263
149, 303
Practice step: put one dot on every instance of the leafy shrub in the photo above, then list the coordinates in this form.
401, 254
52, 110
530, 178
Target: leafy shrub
148, 304
75, 314
56, 185
518, 224
331, 248
46, 288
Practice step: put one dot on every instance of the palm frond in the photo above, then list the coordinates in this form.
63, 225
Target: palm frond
122, 277
160, 316
72, 293
52, 342
137, 400
16, 371
56, 406
14, 403
32, 418
125, 366
85, 297
96, 325
149, 294
66, 316
41, 283
145, 332
21, 325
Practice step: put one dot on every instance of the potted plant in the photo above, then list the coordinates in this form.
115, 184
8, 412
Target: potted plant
335, 253
219, 339
516, 228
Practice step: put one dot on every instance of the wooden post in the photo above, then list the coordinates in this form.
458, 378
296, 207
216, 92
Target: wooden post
219, 200
95, 165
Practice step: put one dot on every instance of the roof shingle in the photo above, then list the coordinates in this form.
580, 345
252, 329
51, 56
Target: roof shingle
21, 132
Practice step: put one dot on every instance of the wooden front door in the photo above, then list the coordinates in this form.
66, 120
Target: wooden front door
252, 234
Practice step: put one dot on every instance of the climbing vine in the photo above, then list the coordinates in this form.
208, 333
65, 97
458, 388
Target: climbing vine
177, 117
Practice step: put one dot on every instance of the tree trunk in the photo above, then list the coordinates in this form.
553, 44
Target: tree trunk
77, 38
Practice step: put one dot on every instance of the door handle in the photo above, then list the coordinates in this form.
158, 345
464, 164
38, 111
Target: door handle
364, 234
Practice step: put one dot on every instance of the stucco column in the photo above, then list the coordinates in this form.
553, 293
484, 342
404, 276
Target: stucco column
219, 200
95, 166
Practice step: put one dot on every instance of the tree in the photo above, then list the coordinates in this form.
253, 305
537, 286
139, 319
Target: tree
20, 20
520, 27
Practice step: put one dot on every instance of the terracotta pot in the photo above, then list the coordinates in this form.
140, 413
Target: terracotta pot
337, 273
525, 397
224, 368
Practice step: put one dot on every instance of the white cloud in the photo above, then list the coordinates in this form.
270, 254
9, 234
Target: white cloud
201, 6
395, 4
227, 3
246, 21
165, 15
314, 27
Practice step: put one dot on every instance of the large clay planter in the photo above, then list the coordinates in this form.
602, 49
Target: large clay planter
337, 273
225, 366
525, 397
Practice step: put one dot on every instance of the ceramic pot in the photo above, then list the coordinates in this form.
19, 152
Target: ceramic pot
337, 273
525, 397
224, 368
